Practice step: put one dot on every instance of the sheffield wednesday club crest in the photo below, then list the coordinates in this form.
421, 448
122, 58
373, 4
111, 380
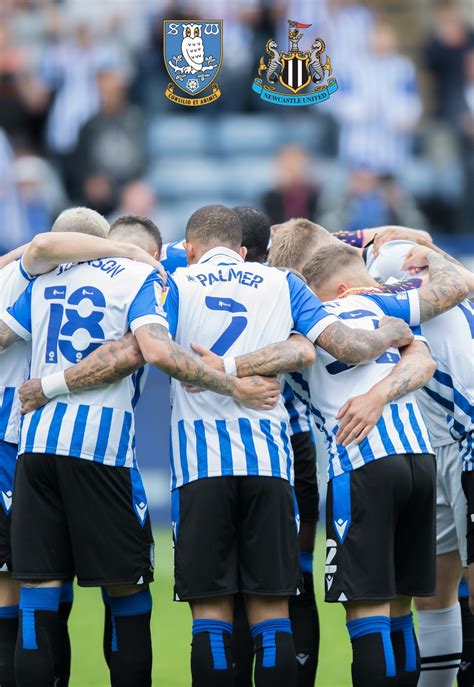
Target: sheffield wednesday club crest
193, 58
295, 77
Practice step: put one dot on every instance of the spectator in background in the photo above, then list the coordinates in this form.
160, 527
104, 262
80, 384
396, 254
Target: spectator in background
69, 70
22, 100
378, 105
467, 145
111, 149
138, 198
13, 225
445, 55
370, 200
295, 194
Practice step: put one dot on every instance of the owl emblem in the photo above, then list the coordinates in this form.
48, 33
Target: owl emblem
192, 47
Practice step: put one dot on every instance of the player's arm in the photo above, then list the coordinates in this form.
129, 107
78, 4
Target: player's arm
446, 286
160, 350
13, 255
7, 336
416, 260
47, 251
108, 364
381, 235
359, 415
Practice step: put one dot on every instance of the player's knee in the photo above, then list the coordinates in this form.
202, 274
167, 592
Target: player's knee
124, 590
262, 608
216, 608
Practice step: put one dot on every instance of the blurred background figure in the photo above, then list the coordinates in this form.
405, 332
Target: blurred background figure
379, 104
295, 194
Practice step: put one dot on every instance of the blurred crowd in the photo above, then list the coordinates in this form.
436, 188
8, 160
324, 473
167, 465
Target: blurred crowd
82, 86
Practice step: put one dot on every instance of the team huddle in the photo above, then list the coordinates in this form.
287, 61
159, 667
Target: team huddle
267, 336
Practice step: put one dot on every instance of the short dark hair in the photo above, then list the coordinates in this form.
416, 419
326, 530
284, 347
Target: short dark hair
136, 224
256, 228
215, 225
328, 260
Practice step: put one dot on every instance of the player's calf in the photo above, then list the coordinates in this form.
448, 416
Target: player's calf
38, 630
404, 642
130, 650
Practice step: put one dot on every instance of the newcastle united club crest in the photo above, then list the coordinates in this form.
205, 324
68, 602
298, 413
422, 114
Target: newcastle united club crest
295, 77
193, 58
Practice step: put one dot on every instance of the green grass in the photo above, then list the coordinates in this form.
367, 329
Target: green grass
171, 628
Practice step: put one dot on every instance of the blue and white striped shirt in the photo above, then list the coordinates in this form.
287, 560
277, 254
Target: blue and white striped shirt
326, 384
299, 413
68, 314
232, 307
15, 361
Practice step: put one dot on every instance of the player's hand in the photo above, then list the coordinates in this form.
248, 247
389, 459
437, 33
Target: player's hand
416, 259
358, 416
259, 393
32, 396
211, 359
139, 255
396, 233
400, 333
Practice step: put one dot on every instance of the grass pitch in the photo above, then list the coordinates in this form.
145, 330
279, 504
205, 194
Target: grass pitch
171, 627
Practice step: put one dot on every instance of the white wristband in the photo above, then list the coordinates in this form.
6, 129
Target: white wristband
54, 385
230, 366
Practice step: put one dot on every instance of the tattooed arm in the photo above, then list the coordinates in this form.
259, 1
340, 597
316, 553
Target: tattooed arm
446, 287
417, 259
7, 336
162, 352
359, 415
355, 346
111, 362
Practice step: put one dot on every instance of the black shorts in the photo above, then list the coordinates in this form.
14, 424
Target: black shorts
74, 516
306, 476
381, 530
8, 453
235, 534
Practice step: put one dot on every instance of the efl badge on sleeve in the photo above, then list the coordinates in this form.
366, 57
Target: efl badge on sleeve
193, 58
295, 77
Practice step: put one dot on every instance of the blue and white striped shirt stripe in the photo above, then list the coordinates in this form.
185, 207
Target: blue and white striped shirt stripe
298, 412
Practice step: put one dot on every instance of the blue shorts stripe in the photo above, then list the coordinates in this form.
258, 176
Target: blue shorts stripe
55, 428
225, 448
249, 446
124, 440
201, 449
341, 504
103, 435
399, 427
6, 409
416, 428
183, 456
266, 427
79, 430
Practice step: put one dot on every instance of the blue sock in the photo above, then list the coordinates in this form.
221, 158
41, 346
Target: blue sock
373, 660
131, 654
274, 651
39, 627
67, 593
405, 646
211, 654
306, 562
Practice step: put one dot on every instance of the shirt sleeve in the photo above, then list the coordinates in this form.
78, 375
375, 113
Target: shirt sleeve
171, 305
405, 305
307, 312
18, 316
146, 307
353, 238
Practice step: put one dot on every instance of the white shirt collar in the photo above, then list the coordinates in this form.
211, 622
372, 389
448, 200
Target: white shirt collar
221, 256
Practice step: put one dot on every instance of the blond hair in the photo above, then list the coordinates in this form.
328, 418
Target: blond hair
328, 261
83, 221
293, 244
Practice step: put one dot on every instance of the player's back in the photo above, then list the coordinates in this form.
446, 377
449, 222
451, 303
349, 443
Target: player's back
328, 383
232, 308
69, 313
15, 361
